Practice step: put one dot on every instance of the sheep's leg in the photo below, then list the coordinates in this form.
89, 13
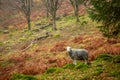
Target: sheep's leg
74, 62
86, 60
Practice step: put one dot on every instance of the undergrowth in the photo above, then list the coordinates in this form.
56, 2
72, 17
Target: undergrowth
102, 68
47, 59
22, 77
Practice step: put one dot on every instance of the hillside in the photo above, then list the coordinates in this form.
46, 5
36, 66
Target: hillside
47, 58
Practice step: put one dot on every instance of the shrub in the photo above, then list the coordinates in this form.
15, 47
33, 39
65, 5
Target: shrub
106, 57
114, 73
107, 12
22, 77
116, 59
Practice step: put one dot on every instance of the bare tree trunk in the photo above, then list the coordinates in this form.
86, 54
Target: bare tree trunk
76, 12
47, 13
28, 22
54, 22
75, 4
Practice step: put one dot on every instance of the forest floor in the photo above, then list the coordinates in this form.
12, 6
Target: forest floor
47, 59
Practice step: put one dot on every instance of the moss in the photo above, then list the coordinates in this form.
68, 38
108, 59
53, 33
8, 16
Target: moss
22, 77
28, 32
56, 35
69, 18
22, 39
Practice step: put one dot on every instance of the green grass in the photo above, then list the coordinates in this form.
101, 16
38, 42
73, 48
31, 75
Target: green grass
52, 70
69, 66
22, 77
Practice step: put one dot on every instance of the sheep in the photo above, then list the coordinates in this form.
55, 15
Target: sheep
78, 54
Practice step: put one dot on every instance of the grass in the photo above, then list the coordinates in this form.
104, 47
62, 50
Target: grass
97, 70
106, 57
60, 68
22, 77
114, 73
52, 70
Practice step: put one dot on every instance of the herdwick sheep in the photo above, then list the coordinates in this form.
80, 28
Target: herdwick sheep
78, 54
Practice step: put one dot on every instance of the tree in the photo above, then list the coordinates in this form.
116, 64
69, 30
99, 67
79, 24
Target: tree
44, 3
75, 4
52, 7
25, 7
108, 13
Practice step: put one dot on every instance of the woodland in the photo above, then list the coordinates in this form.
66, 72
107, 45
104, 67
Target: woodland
34, 35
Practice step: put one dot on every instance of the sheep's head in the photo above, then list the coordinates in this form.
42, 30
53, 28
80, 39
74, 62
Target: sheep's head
68, 48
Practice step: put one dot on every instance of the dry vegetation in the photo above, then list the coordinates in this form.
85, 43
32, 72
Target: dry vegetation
51, 52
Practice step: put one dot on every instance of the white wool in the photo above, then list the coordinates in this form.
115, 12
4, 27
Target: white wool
77, 54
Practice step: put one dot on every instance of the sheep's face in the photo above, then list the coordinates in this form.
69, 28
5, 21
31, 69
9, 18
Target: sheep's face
68, 48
